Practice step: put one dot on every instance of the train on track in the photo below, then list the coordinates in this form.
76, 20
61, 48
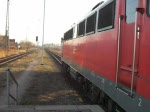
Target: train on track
108, 52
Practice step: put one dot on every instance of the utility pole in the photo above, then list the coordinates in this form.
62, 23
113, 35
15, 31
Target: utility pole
7, 26
26, 44
43, 33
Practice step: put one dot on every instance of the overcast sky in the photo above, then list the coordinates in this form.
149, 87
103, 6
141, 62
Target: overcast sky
26, 18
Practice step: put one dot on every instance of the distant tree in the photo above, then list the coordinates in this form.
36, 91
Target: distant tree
26, 45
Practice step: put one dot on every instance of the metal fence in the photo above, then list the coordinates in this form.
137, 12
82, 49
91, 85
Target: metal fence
9, 95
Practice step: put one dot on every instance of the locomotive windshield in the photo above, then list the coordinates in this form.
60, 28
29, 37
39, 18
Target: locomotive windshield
148, 11
131, 6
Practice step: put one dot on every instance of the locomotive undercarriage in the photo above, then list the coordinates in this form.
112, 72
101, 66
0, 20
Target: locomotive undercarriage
95, 94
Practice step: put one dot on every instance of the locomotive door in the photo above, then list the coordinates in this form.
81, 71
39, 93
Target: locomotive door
128, 47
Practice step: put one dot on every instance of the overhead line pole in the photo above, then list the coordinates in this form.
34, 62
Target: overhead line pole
7, 26
43, 34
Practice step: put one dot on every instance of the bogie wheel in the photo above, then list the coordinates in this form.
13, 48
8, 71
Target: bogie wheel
95, 94
119, 109
79, 79
111, 106
68, 69
101, 99
85, 86
64, 67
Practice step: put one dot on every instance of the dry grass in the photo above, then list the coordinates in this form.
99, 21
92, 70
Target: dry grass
44, 84
6, 53
48, 85
34, 59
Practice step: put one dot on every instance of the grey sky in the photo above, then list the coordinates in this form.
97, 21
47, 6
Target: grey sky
26, 17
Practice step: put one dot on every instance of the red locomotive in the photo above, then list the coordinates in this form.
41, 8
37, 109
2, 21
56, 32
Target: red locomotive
108, 52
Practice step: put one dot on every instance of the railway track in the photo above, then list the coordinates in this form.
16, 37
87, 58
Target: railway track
92, 96
13, 58
57, 57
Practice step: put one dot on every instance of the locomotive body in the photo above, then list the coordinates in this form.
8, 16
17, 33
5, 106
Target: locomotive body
111, 48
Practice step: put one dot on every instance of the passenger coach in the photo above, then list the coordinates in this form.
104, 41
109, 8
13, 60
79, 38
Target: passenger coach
108, 52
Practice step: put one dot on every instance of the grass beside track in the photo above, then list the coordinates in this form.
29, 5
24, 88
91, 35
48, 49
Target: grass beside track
6, 53
49, 86
41, 84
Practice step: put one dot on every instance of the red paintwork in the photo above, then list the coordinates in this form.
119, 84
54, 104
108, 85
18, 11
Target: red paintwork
98, 52
143, 84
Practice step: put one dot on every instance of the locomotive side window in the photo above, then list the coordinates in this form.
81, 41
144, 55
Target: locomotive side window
106, 17
81, 28
90, 25
68, 35
65, 36
131, 6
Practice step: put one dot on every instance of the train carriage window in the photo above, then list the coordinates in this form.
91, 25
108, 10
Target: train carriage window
131, 6
90, 25
81, 28
106, 17
68, 35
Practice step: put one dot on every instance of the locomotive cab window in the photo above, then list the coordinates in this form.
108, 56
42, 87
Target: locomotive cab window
131, 6
81, 28
90, 25
68, 35
106, 17
148, 8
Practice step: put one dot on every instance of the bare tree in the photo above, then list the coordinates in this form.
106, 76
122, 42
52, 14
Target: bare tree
26, 45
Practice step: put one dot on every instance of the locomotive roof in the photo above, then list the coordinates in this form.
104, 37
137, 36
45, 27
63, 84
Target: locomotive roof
96, 7
93, 10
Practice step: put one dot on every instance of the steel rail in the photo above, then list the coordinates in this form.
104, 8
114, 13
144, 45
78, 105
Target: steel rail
13, 58
56, 56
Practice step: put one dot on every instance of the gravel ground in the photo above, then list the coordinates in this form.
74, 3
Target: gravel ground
41, 84
49, 86
21, 70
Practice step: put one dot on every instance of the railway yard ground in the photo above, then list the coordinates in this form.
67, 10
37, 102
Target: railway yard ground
42, 84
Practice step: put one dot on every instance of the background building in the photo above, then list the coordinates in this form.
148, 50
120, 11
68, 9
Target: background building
3, 42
